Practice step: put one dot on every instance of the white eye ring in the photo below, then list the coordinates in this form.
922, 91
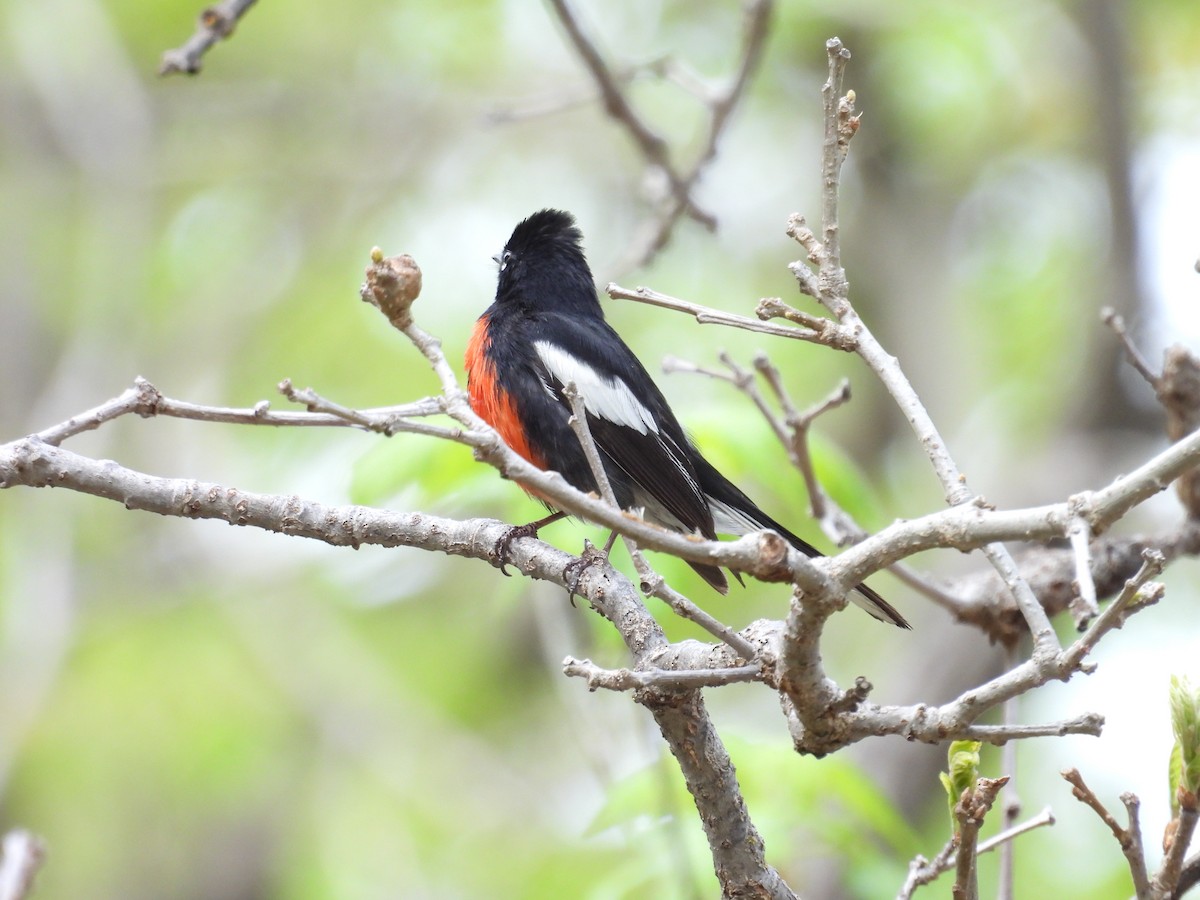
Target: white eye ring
502, 259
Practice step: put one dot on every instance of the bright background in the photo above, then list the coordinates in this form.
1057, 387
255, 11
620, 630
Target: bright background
190, 710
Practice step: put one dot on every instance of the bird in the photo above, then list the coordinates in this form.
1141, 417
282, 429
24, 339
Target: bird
545, 330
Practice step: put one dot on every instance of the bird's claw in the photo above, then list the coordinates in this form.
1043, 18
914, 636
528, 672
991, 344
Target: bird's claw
505, 542
575, 569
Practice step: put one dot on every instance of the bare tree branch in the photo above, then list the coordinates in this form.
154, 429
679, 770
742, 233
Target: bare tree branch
922, 871
1189, 875
823, 331
1116, 322
34, 462
1169, 874
720, 103
970, 810
735, 843
145, 400
831, 289
1083, 604
216, 23
792, 431
1009, 797
1129, 838
1177, 389
662, 679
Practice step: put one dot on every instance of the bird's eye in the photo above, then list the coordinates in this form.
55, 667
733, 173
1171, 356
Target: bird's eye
502, 259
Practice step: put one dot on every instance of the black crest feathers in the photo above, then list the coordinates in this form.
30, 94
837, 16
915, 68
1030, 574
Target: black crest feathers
547, 230
543, 267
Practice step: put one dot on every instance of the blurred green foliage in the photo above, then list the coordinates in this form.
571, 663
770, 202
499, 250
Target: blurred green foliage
190, 710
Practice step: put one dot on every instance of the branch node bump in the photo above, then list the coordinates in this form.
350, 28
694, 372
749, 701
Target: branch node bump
393, 284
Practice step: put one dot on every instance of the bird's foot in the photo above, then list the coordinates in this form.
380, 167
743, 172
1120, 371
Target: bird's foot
506, 539
520, 531
574, 572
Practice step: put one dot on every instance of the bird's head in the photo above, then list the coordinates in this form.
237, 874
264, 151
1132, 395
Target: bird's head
543, 267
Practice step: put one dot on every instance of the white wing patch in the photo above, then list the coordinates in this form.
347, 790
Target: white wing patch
732, 521
605, 398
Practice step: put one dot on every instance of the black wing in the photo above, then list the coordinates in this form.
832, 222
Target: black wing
646, 454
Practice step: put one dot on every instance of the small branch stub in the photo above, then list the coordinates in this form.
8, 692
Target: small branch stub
393, 284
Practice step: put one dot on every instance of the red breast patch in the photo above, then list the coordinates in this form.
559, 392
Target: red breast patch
490, 401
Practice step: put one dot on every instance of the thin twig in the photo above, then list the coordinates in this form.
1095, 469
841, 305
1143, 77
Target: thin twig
1010, 799
661, 679
145, 400
387, 425
1130, 839
834, 520
216, 23
1045, 817
1090, 724
1172, 865
654, 233
804, 672
922, 871
792, 430
1084, 606
1116, 322
655, 585
1139, 588
831, 290
706, 315
651, 144
840, 126
969, 812
579, 424
1136, 854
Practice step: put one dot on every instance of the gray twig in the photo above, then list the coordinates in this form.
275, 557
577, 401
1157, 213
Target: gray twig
970, 810
1084, 606
215, 23
1167, 880
1129, 838
830, 334
720, 102
662, 679
1116, 322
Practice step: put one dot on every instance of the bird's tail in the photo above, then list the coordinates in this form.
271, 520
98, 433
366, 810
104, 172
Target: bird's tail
735, 513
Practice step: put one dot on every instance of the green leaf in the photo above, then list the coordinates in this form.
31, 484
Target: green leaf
1185, 723
963, 759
